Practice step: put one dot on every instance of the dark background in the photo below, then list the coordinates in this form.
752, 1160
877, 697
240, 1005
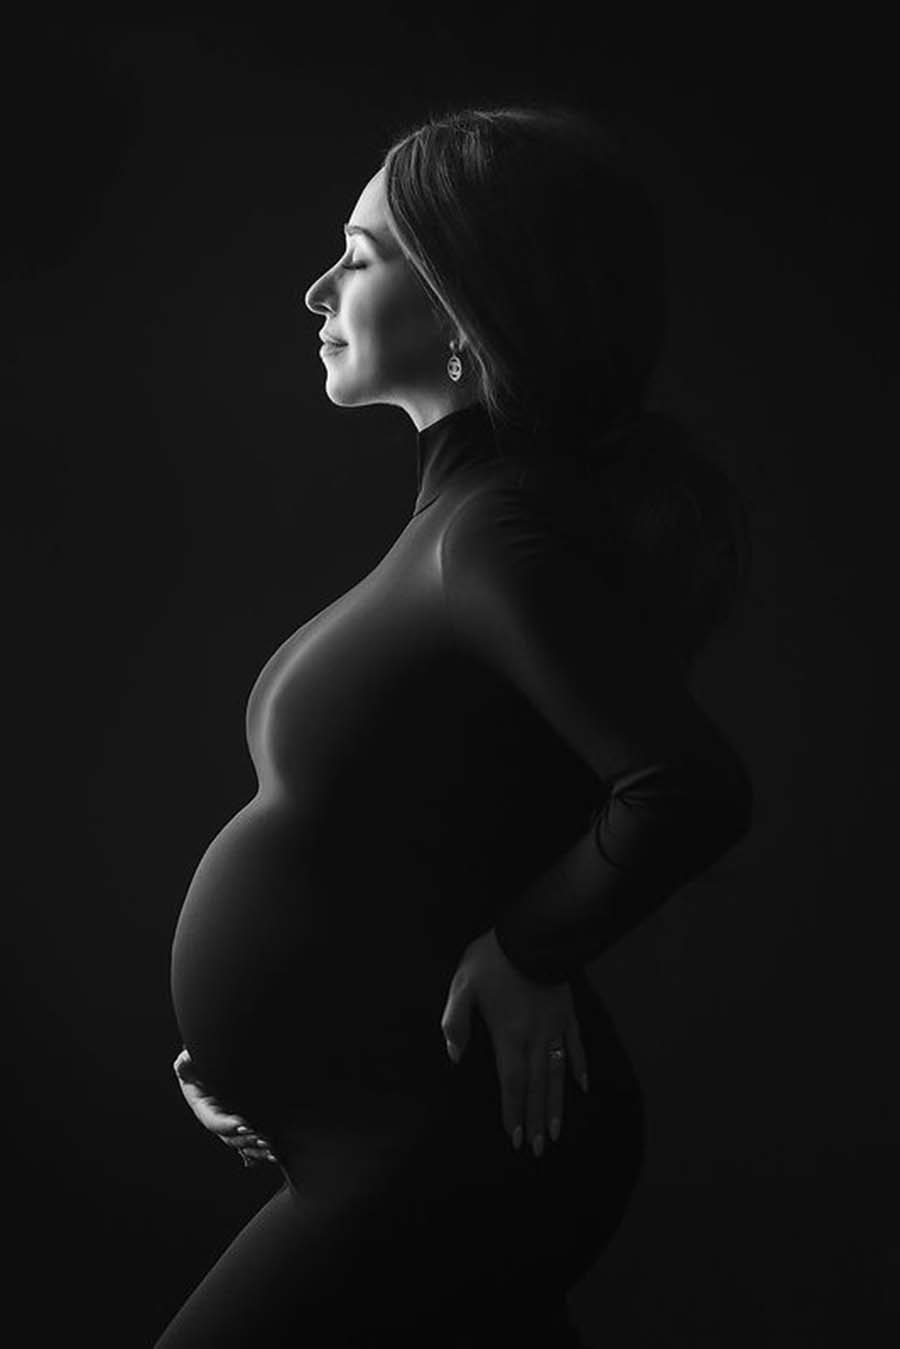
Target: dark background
181, 496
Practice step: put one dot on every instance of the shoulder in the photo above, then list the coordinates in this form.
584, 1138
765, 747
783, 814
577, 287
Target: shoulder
505, 564
498, 527
654, 534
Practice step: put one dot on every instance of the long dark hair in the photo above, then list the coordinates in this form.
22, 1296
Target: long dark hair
531, 234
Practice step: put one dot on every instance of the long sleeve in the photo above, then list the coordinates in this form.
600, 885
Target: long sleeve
672, 795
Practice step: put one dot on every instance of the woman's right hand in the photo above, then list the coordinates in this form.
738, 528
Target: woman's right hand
233, 1130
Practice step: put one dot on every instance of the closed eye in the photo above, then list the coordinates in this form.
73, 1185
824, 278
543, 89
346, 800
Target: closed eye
353, 266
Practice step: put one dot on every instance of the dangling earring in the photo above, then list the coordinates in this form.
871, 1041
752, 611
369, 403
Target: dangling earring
454, 364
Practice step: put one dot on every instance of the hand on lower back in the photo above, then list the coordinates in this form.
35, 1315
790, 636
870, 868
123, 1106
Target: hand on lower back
535, 1032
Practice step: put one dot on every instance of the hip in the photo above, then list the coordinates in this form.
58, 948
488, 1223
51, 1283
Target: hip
443, 1122
439, 1173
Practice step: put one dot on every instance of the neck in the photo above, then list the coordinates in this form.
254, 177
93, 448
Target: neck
449, 446
425, 413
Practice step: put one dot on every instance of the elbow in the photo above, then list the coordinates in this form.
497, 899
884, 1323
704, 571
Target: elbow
684, 813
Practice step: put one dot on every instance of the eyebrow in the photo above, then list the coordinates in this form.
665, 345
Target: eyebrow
360, 229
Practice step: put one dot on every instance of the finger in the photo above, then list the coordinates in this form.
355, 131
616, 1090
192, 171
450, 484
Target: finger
536, 1103
212, 1118
513, 1073
182, 1063
252, 1158
258, 1154
576, 1053
248, 1143
225, 1123
210, 1112
239, 1141
456, 1018
556, 1081
248, 1139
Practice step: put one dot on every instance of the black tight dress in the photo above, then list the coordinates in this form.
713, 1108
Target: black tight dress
482, 733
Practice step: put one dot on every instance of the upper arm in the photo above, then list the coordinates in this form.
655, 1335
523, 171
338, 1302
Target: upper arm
547, 621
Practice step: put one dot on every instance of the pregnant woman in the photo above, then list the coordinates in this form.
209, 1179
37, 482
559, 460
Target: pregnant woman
478, 768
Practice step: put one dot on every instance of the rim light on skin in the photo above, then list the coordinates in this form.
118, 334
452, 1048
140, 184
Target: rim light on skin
379, 316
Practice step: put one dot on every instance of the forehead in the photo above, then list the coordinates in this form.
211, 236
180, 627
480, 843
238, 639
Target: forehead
370, 208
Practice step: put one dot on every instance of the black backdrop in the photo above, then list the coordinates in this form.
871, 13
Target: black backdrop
181, 496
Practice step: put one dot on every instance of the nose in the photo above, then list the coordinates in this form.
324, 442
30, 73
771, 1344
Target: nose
315, 298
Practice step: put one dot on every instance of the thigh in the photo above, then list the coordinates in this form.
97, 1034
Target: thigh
343, 1268
267, 1287
412, 1263
456, 1236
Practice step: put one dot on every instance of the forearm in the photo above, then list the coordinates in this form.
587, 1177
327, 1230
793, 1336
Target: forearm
657, 830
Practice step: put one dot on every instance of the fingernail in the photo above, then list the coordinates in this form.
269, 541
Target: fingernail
554, 1129
517, 1137
538, 1144
242, 1129
270, 1157
584, 1081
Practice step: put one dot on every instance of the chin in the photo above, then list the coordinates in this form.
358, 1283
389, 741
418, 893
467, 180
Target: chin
346, 393
346, 398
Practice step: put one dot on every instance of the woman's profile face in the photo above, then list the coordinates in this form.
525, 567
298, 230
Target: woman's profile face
394, 348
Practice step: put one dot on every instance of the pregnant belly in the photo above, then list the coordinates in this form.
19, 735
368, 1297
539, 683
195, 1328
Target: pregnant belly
307, 974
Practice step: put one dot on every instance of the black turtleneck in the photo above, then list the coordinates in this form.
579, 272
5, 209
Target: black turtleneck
450, 446
479, 734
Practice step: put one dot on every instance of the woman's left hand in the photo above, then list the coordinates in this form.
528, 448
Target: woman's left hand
232, 1129
529, 1023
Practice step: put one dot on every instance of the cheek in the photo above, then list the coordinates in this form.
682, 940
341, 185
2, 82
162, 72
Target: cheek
394, 325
